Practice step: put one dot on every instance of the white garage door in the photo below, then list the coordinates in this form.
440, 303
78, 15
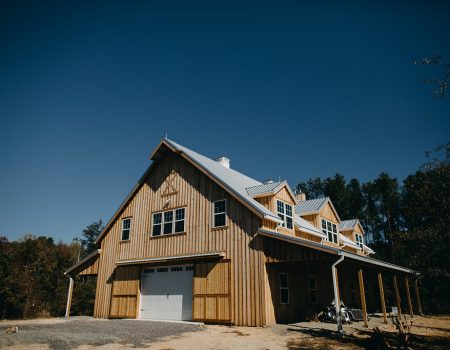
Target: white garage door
166, 293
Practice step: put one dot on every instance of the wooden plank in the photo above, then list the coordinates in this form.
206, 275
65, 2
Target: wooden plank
382, 301
363, 297
408, 296
416, 290
397, 296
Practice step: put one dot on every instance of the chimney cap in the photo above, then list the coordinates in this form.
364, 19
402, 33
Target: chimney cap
224, 161
268, 182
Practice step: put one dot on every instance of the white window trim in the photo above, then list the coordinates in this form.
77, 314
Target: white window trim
213, 214
174, 221
123, 229
333, 234
284, 214
359, 243
281, 288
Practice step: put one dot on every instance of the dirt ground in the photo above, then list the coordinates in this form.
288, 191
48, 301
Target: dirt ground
426, 333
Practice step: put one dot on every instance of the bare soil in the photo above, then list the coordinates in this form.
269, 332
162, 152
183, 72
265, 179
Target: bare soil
426, 333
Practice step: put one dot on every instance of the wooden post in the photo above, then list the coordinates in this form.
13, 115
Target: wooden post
397, 296
363, 297
69, 297
416, 289
408, 296
383, 303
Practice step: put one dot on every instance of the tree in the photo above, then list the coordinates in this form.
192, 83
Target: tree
313, 188
90, 234
335, 188
440, 83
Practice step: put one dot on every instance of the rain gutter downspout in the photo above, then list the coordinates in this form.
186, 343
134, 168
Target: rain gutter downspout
337, 302
69, 296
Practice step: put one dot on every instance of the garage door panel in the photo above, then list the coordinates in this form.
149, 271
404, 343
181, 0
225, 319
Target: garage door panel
167, 295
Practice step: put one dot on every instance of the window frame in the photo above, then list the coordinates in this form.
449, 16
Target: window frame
125, 229
330, 231
312, 289
284, 288
162, 222
283, 214
360, 242
214, 214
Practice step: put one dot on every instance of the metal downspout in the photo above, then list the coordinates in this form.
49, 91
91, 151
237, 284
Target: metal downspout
337, 302
69, 297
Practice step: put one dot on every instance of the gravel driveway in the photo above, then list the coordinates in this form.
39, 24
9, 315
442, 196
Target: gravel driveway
63, 334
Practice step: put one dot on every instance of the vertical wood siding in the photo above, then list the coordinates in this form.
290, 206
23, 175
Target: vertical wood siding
193, 190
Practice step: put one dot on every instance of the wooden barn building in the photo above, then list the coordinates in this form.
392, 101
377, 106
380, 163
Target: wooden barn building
197, 240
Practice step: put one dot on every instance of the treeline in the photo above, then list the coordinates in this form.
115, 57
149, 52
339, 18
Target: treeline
405, 223
32, 280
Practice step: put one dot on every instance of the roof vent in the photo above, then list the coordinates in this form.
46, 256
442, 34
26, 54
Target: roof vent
224, 161
268, 182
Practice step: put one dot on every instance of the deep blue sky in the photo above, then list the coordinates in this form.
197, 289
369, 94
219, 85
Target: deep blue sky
285, 89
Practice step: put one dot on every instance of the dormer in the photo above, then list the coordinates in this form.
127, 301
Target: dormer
278, 197
353, 230
321, 213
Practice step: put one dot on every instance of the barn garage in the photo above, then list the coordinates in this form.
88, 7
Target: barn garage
166, 293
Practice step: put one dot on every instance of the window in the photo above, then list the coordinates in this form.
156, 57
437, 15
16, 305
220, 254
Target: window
330, 231
359, 240
168, 222
284, 211
126, 224
162, 269
284, 288
189, 268
149, 270
312, 287
220, 213
176, 268
352, 292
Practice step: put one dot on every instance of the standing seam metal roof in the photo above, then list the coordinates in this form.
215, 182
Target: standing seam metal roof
310, 206
264, 188
348, 224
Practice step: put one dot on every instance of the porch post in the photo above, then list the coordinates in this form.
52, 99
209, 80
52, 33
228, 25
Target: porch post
363, 297
408, 295
69, 297
397, 295
416, 289
383, 303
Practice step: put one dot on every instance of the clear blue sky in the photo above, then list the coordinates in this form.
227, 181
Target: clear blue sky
286, 89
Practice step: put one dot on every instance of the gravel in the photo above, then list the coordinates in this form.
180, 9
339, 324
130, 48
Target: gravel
75, 332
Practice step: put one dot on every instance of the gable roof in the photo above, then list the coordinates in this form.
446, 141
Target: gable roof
269, 188
307, 227
348, 225
233, 181
310, 206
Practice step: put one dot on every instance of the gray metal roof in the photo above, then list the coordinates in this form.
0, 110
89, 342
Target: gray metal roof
310, 206
264, 188
234, 181
348, 224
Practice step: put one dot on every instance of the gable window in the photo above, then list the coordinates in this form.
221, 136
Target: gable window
312, 288
330, 231
126, 225
284, 288
168, 222
220, 213
359, 240
284, 212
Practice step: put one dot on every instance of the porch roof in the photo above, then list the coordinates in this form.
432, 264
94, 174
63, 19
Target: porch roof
83, 263
334, 251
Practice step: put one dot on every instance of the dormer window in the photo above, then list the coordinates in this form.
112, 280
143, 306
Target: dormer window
284, 212
330, 231
359, 240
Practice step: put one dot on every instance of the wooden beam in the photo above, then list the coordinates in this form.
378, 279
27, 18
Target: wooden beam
69, 297
363, 297
408, 296
416, 289
397, 296
382, 301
